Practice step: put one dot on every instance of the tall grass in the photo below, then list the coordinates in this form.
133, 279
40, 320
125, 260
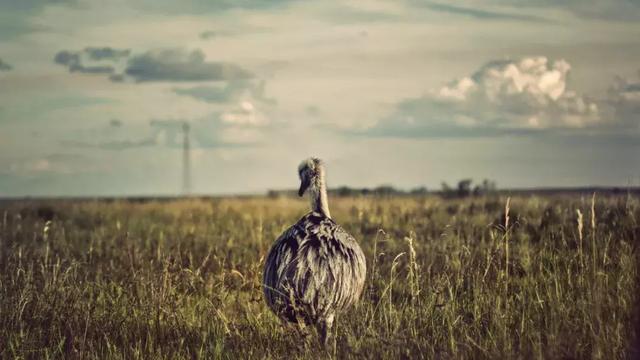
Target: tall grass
478, 278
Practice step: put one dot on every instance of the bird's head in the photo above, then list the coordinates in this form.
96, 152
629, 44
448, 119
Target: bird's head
310, 172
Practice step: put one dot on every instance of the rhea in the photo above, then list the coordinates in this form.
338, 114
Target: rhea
315, 269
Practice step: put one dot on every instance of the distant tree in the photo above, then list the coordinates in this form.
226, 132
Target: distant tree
385, 190
486, 187
345, 191
464, 187
447, 191
419, 191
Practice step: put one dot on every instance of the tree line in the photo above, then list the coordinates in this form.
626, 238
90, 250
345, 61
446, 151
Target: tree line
464, 188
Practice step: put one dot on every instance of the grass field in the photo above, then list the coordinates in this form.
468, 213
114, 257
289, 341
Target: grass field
446, 278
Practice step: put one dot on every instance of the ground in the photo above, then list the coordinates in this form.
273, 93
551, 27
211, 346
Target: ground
446, 278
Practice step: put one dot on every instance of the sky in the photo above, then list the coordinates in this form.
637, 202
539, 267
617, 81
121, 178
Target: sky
94, 94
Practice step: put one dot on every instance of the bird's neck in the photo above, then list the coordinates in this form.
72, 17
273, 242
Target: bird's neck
319, 198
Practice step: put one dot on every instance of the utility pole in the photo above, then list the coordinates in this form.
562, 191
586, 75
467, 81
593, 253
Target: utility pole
186, 161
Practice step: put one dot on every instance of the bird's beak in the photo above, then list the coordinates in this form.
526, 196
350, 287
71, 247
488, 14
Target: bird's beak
303, 186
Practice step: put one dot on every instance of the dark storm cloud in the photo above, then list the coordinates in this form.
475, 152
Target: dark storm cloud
231, 91
177, 65
4, 66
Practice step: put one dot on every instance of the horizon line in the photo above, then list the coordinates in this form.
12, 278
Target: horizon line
501, 191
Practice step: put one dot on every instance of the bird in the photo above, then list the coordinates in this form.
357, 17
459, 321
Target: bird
315, 270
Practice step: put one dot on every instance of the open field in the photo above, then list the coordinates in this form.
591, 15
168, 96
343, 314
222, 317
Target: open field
446, 278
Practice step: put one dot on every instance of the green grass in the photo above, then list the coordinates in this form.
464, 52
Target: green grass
182, 279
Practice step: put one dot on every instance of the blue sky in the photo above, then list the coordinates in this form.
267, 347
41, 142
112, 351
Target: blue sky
93, 94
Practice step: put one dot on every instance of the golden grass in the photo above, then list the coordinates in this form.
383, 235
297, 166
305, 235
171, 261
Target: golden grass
466, 278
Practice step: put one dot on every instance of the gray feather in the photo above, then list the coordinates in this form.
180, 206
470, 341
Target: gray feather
314, 270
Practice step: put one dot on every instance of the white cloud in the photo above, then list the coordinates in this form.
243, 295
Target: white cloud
530, 92
245, 114
503, 96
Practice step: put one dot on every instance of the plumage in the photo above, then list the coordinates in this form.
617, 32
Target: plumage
315, 269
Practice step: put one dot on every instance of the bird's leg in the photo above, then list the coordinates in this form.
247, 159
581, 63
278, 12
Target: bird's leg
324, 328
324, 333
301, 334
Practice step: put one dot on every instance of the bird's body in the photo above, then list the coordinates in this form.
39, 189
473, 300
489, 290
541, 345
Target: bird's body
315, 269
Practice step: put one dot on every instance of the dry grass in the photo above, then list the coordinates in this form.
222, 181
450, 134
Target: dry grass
447, 279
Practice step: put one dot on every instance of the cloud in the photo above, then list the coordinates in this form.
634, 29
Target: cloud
232, 91
4, 66
345, 14
624, 98
112, 145
622, 10
30, 5
205, 6
15, 16
179, 65
102, 53
476, 13
245, 114
313, 110
240, 125
213, 94
618, 10
210, 34
170, 65
226, 31
92, 60
59, 163
504, 96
